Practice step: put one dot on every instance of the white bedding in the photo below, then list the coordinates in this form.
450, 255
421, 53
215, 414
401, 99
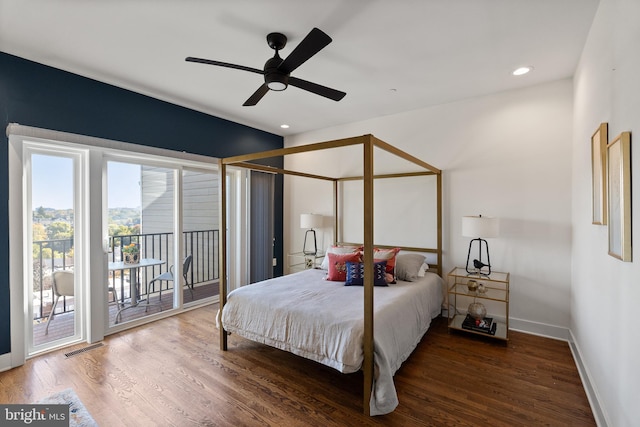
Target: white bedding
323, 321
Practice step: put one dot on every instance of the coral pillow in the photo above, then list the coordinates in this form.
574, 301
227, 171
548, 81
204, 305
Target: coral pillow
388, 255
338, 265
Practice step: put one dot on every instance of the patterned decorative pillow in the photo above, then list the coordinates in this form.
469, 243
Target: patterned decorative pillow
338, 265
355, 274
337, 250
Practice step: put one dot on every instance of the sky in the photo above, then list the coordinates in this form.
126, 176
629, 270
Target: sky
52, 183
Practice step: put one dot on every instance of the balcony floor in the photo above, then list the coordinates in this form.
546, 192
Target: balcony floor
62, 325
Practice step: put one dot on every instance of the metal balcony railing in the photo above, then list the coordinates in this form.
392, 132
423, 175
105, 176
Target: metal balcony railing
52, 255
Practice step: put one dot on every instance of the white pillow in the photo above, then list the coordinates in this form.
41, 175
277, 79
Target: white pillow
336, 250
423, 270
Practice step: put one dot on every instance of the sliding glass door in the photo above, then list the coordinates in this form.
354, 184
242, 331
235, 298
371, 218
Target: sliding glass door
109, 238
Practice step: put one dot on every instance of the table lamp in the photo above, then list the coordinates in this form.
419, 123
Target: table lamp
479, 227
310, 221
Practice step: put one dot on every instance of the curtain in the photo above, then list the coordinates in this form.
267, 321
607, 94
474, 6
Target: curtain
261, 230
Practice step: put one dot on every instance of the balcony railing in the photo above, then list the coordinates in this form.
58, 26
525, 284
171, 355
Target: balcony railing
201, 244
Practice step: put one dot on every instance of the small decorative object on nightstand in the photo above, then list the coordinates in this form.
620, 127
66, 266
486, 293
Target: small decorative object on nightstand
479, 303
299, 261
477, 310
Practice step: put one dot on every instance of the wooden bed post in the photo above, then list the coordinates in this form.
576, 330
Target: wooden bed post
222, 174
335, 212
368, 275
439, 216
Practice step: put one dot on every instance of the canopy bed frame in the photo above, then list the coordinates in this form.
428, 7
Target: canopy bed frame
368, 143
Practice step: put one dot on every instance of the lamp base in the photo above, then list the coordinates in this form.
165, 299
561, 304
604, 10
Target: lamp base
478, 265
315, 245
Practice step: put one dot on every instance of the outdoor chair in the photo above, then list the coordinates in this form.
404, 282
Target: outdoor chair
168, 276
114, 294
63, 286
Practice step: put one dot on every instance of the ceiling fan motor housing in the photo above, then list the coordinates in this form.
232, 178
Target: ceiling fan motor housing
273, 77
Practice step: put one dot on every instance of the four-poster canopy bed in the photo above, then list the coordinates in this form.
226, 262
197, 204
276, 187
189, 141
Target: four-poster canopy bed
354, 346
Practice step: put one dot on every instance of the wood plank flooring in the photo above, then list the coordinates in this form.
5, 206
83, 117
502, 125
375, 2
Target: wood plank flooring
172, 373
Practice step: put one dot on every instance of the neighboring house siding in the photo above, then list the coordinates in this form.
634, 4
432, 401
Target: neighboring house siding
156, 186
200, 213
200, 201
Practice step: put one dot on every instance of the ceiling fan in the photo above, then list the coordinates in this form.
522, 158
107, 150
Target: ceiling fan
277, 71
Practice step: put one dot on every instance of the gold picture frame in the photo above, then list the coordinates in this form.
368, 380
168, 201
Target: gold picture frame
598, 168
619, 196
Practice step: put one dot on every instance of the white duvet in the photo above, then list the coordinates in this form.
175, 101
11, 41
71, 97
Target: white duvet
323, 321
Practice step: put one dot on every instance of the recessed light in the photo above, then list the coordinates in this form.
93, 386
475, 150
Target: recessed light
284, 126
522, 71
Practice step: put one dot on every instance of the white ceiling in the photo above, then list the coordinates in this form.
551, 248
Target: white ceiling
389, 56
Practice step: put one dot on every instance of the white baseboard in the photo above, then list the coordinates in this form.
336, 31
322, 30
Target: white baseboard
540, 329
590, 390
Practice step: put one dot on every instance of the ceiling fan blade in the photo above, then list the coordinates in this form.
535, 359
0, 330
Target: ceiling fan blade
257, 96
223, 64
327, 92
313, 43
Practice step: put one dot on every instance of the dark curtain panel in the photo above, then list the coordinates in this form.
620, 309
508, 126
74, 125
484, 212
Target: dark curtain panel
261, 240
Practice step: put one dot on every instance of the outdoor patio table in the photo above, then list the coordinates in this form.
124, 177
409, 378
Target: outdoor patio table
133, 280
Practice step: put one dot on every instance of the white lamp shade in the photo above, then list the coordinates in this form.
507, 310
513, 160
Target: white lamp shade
480, 226
310, 221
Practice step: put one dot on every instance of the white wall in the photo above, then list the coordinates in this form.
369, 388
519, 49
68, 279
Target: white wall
605, 291
506, 155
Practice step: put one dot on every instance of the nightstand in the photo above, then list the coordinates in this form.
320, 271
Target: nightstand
298, 261
493, 295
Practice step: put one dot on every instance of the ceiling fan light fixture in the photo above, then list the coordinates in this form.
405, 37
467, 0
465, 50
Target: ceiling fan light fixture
521, 71
276, 85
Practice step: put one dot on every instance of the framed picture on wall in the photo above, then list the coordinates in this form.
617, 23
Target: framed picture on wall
619, 196
598, 167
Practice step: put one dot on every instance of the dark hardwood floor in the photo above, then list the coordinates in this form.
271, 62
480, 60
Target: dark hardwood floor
172, 373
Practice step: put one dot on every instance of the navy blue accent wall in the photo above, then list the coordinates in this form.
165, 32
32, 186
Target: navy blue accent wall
32, 94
